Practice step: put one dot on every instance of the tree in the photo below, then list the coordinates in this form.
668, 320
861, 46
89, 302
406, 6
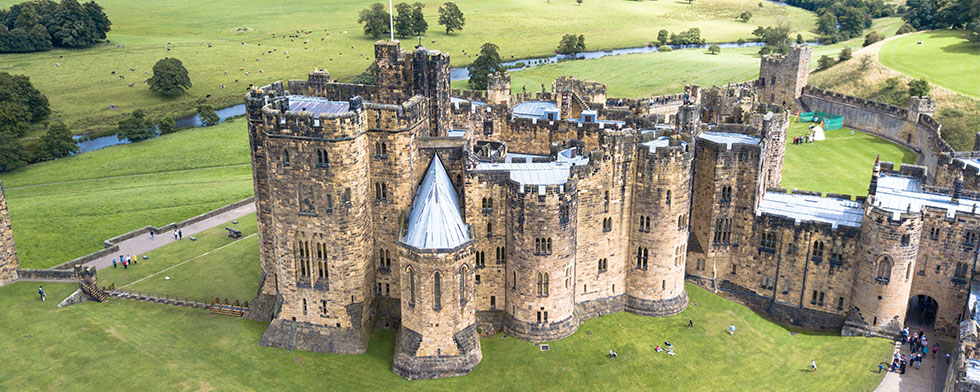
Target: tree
865, 62
873, 37
973, 33
571, 44
827, 23
17, 89
905, 29
776, 39
403, 20
375, 19
419, 25
485, 64
845, 54
56, 143
745, 16
714, 49
662, 36
71, 25
14, 118
41, 25
169, 77
799, 39
135, 127
11, 153
579, 2
920, 13
166, 125
207, 114
368, 76
690, 37
919, 88
451, 17
825, 62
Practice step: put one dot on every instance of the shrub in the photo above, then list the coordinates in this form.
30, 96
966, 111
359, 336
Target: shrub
905, 29
714, 49
919, 88
873, 37
825, 62
845, 54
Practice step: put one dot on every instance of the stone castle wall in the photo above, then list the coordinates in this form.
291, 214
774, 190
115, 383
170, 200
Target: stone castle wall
8, 252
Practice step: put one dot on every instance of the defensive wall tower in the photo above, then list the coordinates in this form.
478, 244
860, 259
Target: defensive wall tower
8, 251
541, 261
402, 74
498, 88
659, 229
782, 77
438, 334
317, 159
772, 130
724, 194
885, 261
264, 302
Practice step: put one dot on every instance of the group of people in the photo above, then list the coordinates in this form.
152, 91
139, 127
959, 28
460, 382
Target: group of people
669, 348
124, 260
918, 346
802, 140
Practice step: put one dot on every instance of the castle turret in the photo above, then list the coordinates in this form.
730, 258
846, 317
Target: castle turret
8, 252
886, 258
498, 88
438, 336
659, 232
540, 271
782, 77
920, 106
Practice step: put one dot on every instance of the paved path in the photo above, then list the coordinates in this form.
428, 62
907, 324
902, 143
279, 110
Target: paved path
931, 375
142, 244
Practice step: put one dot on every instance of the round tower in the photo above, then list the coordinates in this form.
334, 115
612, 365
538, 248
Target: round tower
437, 337
320, 212
885, 261
540, 273
658, 240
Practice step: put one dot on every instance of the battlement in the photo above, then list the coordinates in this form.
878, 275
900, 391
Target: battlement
343, 120
795, 54
860, 102
907, 170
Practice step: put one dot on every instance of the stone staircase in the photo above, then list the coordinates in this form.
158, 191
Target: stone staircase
165, 300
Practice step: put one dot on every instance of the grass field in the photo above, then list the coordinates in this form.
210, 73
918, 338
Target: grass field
944, 58
193, 265
840, 164
64, 209
82, 88
125, 345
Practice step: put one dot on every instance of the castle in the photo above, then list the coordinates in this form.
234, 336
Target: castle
451, 213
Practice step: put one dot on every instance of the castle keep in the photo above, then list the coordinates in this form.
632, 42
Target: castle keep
451, 213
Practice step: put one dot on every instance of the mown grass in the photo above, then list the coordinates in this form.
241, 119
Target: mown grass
840, 164
193, 266
944, 58
82, 88
124, 345
64, 209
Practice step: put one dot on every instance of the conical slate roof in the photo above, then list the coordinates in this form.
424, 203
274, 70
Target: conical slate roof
435, 221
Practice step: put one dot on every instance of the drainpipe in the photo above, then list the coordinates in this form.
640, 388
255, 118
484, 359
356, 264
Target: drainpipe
806, 267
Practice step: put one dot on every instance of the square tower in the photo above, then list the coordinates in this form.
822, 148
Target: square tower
782, 77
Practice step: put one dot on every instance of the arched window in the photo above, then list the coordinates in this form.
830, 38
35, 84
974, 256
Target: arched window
883, 269
437, 291
641, 223
648, 224
549, 246
377, 149
639, 258
384, 149
668, 197
462, 285
489, 229
384, 191
490, 202
411, 286
537, 246
818, 248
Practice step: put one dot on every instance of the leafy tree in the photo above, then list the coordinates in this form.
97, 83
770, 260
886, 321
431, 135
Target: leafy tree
17, 89
375, 19
845, 54
207, 114
919, 88
827, 23
167, 125
579, 2
745, 16
368, 76
571, 44
485, 64
799, 39
451, 17
663, 36
14, 118
169, 77
12, 155
56, 143
41, 25
419, 25
905, 29
776, 39
70, 25
690, 37
920, 13
403, 20
973, 33
714, 49
825, 62
873, 37
956, 13
135, 127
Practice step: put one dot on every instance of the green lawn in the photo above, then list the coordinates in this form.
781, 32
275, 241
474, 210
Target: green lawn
64, 209
193, 265
945, 58
82, 88
124, 345
840, 164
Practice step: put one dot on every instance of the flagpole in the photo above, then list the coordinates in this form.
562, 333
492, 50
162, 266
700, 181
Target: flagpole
391, 20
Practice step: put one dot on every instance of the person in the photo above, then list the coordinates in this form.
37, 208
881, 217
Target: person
881, 366
175, 235
125, 264
731, 329
658, 349
925, 350
113, 262
180, 234
40, 291
151, 234
612, 353
947, 358
671, 351
690, 323
813, 365
935, 350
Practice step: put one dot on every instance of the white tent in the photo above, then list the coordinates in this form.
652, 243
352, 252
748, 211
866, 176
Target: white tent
816, 133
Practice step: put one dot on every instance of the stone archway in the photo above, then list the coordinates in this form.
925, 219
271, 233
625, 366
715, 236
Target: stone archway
921, 311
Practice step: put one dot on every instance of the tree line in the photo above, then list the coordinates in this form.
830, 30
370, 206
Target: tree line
40, 25
409, 20
942, 14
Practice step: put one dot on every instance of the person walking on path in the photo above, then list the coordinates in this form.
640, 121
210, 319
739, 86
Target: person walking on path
175, 235
113, 262
180, 234
813, 365
690, 324
881, 366
151, 234
935, 350
731, 329
40, 291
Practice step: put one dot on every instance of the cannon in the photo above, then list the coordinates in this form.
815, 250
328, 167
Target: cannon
232, 233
